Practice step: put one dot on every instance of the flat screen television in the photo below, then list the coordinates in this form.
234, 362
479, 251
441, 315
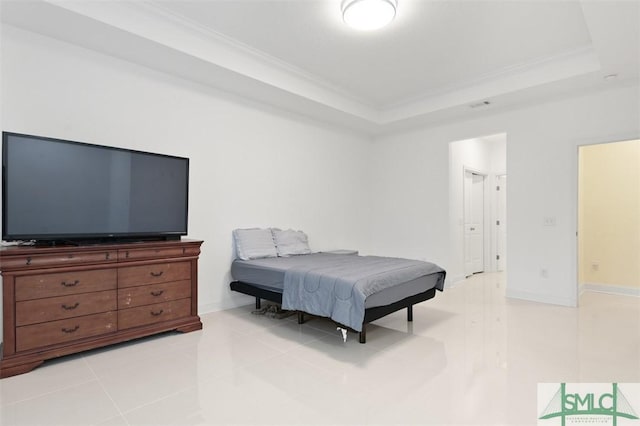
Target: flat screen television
56, 190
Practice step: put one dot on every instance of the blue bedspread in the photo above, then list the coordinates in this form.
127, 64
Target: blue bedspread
336, 286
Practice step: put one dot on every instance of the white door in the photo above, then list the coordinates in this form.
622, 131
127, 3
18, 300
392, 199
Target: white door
501, 224
473, 222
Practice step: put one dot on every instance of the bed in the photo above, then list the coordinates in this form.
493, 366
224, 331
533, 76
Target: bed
352, 290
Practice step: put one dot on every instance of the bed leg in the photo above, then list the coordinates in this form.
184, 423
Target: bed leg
410, 313
257, 303
363, 334
300, 317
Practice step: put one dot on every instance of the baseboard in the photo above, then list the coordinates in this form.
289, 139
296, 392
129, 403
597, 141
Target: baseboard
609, 289
235, 302
540, 298
453, 281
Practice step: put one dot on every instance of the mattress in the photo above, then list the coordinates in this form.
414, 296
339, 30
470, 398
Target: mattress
268, 273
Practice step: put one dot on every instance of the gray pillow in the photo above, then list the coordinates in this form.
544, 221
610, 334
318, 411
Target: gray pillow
254, 243
290, 242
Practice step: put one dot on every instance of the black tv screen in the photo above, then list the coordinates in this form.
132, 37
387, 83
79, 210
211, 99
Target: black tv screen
55, 189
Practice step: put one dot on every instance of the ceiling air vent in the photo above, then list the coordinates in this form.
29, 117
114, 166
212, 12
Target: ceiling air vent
480, 104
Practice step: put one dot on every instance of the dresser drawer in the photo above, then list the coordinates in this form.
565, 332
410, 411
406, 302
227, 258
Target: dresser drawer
65, 283
157, 253
131, 297
66, 330
151, 314
153, 274
64, 258
56, 308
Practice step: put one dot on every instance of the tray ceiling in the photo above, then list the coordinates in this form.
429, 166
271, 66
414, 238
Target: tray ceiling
435, 59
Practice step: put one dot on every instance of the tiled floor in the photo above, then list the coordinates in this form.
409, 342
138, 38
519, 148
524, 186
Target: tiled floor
470, 357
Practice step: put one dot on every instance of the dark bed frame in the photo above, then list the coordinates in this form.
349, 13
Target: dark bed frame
370, 314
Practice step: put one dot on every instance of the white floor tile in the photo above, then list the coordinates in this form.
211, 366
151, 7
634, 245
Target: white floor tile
83, 404
471, 356
50, 377
141, 382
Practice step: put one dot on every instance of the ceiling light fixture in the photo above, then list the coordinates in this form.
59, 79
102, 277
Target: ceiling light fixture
367, 15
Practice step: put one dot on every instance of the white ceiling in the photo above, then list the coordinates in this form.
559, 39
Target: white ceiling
430, 45
434, 60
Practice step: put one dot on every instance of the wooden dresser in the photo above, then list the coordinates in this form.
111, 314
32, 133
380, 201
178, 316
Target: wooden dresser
62, 300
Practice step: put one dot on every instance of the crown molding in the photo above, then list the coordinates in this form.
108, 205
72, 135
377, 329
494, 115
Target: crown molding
521, 76
216, 37
151, 35
155, 23
160, 25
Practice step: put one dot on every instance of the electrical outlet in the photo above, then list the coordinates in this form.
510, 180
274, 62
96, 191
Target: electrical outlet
595, 266
549, 221
544, 273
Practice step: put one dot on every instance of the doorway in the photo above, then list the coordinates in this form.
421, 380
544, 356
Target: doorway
608, 212
476, 163
474, 205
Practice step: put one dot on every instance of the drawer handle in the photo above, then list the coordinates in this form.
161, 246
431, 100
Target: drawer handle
70, 284
155, 314
70, 330
68, 308
156, 274
157, 293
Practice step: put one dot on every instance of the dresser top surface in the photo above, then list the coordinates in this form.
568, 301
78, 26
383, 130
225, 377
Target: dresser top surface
22, 250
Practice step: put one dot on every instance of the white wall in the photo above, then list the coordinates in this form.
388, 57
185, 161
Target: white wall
252, 166
411, 174
249, 166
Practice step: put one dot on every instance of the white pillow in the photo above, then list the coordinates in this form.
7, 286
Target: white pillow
291, 242
254, 243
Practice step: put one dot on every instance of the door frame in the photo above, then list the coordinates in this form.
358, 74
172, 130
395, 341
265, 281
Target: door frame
496, 230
